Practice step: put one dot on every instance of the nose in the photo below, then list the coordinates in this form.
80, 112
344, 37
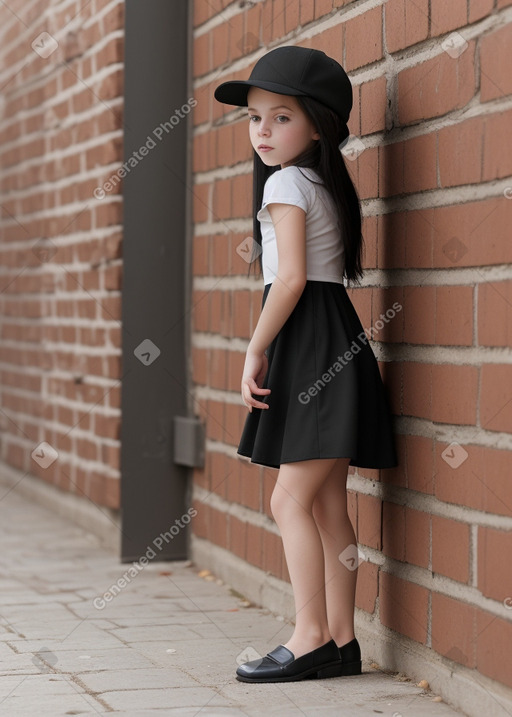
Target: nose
263, 129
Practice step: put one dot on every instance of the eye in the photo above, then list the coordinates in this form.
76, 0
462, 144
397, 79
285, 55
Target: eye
253, 118
284, 119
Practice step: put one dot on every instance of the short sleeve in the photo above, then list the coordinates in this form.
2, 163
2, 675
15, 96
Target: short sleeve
286, 186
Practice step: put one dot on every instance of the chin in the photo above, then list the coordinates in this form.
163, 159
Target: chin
267, 160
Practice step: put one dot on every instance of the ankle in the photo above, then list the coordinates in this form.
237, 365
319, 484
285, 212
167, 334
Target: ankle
309, 639
343, 638
314, 634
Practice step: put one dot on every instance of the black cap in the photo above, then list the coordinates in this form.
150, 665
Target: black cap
298, 71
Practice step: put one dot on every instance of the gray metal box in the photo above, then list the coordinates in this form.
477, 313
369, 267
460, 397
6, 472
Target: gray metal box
189, 441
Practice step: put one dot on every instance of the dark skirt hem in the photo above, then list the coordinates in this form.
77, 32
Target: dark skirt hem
359, 464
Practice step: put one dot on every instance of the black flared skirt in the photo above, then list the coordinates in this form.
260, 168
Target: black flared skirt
327, 398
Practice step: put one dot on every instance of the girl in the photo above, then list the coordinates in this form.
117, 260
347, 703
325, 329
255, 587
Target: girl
310, 380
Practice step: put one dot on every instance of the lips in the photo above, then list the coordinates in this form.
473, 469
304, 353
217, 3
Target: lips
264, 147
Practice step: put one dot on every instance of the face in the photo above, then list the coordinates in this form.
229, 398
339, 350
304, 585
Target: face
279, 129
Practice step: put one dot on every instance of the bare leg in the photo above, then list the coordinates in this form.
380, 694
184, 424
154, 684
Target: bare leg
336, 532
292, 507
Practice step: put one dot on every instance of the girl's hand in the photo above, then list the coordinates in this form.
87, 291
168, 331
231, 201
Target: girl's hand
255, 369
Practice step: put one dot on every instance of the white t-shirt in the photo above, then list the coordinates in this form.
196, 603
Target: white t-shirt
324, 245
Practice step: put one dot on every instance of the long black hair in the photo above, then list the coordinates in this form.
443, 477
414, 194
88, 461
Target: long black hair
327, 160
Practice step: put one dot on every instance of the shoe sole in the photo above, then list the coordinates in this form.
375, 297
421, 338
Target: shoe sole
311, 674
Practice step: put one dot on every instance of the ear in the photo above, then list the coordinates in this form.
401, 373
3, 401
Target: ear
316, 135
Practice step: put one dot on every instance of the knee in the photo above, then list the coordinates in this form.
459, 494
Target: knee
277, 501
329, 510
287, 506
283, 505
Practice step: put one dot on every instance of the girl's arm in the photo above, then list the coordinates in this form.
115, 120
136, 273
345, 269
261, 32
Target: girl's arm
290, 227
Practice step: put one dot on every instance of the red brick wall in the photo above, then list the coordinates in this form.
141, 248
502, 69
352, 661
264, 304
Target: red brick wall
60, 136
435, 123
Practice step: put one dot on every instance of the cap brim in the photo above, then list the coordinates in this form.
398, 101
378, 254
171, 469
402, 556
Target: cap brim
235, 92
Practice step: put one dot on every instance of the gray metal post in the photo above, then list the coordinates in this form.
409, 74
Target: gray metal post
153, 487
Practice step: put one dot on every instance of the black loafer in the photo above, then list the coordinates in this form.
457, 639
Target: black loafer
350, 661
280, 665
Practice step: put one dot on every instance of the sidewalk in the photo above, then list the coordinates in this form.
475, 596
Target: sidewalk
168, 643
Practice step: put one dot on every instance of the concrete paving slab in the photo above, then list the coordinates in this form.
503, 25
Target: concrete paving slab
45, 694
199, 697
80, 662
145, 678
